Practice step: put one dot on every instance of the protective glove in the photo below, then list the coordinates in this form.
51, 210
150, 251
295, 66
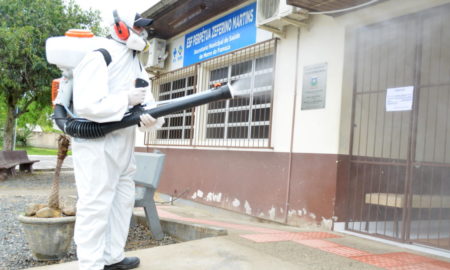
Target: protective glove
136, 95
147, 122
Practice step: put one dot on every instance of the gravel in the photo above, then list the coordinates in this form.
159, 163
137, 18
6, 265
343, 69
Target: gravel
16, 192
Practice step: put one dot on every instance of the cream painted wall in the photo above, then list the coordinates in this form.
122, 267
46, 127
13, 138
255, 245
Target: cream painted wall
317, 131
284, 85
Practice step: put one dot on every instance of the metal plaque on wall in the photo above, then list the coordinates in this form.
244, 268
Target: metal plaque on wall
314, 86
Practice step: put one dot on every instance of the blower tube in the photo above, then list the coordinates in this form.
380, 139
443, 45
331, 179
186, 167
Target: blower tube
80, 128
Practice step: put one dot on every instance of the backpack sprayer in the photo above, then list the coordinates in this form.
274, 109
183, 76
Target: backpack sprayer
67, 51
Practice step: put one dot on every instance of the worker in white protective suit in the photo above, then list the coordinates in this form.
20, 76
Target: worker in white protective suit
104, 167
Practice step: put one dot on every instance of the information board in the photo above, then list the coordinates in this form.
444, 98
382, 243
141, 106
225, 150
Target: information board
231, 32
314, 86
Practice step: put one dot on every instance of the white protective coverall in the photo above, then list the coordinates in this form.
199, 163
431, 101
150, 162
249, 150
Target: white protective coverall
104, 167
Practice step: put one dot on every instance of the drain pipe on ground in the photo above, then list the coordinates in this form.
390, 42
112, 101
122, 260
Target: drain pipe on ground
289, 177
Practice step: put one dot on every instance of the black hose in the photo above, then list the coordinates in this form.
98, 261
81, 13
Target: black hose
80, 128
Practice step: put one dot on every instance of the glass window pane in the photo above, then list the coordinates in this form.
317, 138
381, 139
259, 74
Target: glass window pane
238, 116
260, 132
237, 132
215, 133
241, 68
218, 74
261, 115
262, 80
216, 118
175, 134
264, 63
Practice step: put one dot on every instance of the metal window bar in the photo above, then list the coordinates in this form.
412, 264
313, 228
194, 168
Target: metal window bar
178, 128
242, 122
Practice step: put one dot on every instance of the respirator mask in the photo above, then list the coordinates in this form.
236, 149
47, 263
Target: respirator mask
122, 30
137, 42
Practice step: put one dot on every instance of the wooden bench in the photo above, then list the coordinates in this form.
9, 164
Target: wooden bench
10, 159
395, 200
417, 200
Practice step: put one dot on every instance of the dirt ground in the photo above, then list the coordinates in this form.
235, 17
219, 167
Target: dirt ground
18, 191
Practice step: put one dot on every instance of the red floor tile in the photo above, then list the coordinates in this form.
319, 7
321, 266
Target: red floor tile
380, 260
311, 235
408, 257
403, 260
420, 266
345, 251
442, 264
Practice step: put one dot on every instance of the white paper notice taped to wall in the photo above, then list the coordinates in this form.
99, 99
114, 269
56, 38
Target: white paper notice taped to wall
399, 99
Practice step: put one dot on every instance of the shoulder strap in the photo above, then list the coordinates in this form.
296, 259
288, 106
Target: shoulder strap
106, 55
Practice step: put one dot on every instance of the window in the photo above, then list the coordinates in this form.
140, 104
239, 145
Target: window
241, 122
178, 124
246, 116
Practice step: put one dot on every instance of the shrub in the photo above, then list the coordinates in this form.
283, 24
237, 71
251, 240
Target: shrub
22, 136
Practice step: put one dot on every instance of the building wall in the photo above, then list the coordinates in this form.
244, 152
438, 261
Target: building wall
261, 184
44, 140
295, 183
317, 131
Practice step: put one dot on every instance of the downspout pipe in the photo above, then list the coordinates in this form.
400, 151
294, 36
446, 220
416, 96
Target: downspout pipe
291, 150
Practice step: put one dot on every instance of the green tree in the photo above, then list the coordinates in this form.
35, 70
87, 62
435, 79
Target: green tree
25, 75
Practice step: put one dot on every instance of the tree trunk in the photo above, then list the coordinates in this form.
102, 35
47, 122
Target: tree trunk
63, 147
8, 134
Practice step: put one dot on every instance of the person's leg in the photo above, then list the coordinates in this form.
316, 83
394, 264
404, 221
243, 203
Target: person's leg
96, 189
120, 150
119, 221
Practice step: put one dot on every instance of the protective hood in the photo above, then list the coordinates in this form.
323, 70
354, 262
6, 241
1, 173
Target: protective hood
135, 41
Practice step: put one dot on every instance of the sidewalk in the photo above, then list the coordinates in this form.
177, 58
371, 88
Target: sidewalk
249, 244
48, 162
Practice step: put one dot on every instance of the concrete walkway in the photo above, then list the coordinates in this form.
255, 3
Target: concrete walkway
48, 162
249, 244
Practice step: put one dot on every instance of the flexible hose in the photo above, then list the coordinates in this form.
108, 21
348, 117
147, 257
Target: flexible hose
80, 128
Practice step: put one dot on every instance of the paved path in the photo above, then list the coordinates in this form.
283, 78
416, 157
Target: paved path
48, 162
262, 246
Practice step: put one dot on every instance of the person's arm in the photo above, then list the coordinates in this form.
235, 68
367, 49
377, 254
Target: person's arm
91, 96
149, 124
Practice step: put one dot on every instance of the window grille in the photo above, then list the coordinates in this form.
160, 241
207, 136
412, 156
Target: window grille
242, 122
246, 117
177, 125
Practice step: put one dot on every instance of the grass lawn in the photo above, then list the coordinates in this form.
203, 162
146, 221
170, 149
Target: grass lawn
39, 151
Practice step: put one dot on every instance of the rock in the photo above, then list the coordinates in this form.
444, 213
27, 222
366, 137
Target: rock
69, 211
32, 208
48, 212
69, 206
